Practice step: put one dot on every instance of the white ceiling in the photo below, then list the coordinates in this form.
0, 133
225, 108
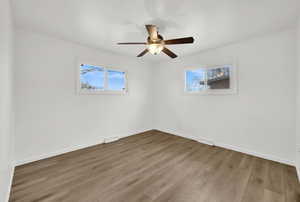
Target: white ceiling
103, 23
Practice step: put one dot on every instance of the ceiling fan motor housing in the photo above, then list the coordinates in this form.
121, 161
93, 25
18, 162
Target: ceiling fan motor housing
158, 40
156, 43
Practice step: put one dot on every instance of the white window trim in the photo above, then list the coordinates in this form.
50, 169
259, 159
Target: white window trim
233, 81
100, 92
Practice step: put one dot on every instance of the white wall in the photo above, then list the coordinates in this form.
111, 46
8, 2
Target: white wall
298, 99
6, 137
51, 117
259, 119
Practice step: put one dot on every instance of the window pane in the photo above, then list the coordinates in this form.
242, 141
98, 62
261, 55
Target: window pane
116, 80
195, 80
218, 78
91, 77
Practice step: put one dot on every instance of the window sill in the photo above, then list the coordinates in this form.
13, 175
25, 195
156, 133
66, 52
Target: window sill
83, 92
212, 92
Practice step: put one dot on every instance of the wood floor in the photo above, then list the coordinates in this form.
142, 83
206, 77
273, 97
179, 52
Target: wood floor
155, 166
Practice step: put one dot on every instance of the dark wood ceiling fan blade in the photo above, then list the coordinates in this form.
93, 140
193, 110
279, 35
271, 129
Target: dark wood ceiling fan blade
169, 53
179, 41
133, 43
143, 53
152, 30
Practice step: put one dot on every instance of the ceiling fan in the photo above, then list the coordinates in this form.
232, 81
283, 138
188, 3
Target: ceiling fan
156, 43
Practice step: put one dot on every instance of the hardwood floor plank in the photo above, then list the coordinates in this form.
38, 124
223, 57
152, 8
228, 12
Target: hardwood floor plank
154, 166
274, 181
200, 181
270, 196
85, 172
291, 184
256, 184
154, 185
236, 183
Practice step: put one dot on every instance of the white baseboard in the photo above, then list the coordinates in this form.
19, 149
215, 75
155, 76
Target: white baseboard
230, 147
178, 133
120, 136
10, 181
11, 175
76, 147
298, 172
58, 152
252, 153
111, 139
188, 136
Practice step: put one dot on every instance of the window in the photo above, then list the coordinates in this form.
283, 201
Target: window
115, 80
96, 79
211, 80
195, 80
91, 77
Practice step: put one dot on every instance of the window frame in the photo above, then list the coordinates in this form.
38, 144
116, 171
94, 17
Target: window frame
105, 91
233, 80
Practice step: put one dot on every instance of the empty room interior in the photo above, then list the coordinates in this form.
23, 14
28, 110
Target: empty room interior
149, 101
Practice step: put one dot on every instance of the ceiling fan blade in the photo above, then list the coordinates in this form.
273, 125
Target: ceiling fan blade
143, 53
169, 53
152, 30
179, 41
133, 43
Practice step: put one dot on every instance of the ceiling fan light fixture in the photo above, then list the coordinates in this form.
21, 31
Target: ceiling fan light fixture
156, 44
155, 48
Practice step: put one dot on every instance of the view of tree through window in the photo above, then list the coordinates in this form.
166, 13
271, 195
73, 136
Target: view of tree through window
195, 80
91, 77
207, 78
101, 79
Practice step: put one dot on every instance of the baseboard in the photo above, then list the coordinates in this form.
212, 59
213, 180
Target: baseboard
188, 136
298, 172
177, 133
77, 147
230, 147
252, 153
111, 139
123, 135
11, 176
58, 152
